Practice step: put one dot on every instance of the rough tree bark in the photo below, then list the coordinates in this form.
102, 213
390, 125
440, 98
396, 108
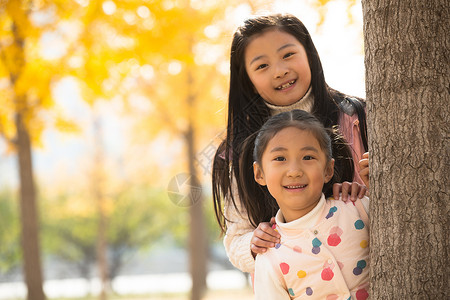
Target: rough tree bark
407, 90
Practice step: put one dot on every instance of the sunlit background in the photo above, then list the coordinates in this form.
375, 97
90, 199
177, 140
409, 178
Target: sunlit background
112, 90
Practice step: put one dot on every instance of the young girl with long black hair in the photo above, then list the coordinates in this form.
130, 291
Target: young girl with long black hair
275, 67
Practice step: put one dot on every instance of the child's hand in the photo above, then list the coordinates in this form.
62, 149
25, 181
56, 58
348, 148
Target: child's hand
354, 189
364, 168
264, 237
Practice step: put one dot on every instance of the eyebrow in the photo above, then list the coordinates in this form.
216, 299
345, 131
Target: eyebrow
306, 148
310, 148
278, 50
276, 149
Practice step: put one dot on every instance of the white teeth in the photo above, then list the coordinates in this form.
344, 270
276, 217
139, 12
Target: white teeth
295, 186
286, 85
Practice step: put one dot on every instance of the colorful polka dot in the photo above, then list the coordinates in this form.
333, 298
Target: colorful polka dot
284, 268
327, 274
364, 244
309, 291
301, 274
357, 271
331, 212
316, 245
277, 245
360, 265
291, 292
316, 242
359, 224
336, 229
334, 239
328, 264
362, 294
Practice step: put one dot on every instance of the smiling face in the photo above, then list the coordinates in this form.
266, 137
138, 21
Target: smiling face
277, 65
294, 168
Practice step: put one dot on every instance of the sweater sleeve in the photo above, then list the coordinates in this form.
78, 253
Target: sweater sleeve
268, 284
238, 236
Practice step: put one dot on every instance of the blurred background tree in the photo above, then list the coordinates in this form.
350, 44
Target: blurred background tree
27, 91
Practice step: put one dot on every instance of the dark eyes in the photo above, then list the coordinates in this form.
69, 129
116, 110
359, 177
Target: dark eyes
261, 66
282, 158
288, 54
279, 158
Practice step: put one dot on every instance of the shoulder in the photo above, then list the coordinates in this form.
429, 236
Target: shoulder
340, 204
360, 207
330, 202
348, 104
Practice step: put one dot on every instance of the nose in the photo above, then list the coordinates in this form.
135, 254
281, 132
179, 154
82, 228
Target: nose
281, 70
294, 170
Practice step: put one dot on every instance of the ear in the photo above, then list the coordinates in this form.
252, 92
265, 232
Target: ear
259, 174
329, 170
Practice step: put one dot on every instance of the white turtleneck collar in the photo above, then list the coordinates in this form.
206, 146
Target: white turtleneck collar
305, 103
305, 222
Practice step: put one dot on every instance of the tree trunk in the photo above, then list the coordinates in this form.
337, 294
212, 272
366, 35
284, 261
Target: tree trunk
98, 186
197, 236
28, 207
29, 215
407, 85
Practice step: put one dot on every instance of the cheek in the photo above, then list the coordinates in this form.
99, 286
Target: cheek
259, 81
271, 176
254, 80
306, 70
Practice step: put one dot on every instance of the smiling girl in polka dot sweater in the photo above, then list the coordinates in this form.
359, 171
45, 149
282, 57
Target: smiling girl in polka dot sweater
323, 253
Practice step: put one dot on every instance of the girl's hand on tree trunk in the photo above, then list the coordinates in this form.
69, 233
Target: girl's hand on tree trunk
364, 169
264, 236
353, 189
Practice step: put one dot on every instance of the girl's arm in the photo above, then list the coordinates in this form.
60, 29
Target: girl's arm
242, 241
238, 237
268, 284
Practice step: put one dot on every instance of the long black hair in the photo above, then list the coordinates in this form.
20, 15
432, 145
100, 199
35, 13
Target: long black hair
247, 111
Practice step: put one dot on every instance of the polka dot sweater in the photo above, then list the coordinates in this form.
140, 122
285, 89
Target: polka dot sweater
323, 255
